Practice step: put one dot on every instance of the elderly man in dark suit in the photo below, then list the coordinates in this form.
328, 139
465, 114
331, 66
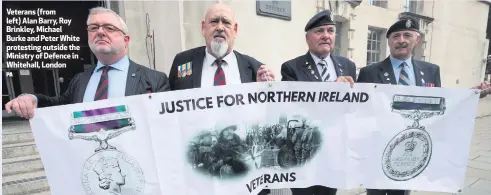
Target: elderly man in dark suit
401, 69
217, 63
115, 75
319, 65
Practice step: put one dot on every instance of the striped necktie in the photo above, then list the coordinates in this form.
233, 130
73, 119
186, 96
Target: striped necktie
219, 74
324, 74
403, 77
102, 88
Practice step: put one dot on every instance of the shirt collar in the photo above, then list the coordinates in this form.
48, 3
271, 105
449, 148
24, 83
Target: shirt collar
121, 64
227, 58
317, 59
396, 62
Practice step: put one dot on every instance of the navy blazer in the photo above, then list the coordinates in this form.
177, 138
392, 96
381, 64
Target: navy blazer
248, 67
382, 72
297, 69
140, 80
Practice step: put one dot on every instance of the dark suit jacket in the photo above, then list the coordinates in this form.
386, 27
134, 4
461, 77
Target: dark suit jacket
382, 72
145, 80
300, 68
248, 67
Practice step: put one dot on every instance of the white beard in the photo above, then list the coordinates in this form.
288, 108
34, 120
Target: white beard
219, 48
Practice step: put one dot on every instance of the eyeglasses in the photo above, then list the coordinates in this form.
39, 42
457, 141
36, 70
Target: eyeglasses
107, 28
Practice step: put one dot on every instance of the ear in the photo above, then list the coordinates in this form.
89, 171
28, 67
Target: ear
418, 38
203, 28
236, 28
127, 40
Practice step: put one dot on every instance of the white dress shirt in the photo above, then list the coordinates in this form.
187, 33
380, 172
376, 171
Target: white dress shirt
229, 65
330, 67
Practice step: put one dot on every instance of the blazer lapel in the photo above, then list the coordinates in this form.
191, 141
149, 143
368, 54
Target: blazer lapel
310, 68
198, 67
418, 73
386, 73
132, 79
244, 69
338, 67
84, 81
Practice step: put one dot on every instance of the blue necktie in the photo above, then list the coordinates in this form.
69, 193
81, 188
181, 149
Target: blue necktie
403, 77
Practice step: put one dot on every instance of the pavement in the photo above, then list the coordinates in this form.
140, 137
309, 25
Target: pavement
23, 172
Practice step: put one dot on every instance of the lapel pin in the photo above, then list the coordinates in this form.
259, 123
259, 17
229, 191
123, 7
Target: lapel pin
386, 74
422, 80
341, 70
339, 64
133, 75
312, 72
421, 72
316, 77
309, 67
388, 79
306, 62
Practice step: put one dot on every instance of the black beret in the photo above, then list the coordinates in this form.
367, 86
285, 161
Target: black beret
320, 19
403, 24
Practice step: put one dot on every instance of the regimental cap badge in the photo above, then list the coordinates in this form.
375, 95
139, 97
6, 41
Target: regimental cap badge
408, 23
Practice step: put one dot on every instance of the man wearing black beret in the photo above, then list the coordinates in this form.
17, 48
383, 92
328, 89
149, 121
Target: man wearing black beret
400, 69
318, 64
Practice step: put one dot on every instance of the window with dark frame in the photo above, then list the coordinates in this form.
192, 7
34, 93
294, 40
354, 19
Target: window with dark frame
373, 45
378, 3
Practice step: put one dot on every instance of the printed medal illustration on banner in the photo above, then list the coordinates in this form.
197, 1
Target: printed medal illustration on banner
409, 152
231, 151
108, 171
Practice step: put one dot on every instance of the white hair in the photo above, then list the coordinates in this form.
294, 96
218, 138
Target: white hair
97, 10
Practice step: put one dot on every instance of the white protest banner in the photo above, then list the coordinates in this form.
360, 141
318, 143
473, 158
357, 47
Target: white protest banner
97, 148
239, 139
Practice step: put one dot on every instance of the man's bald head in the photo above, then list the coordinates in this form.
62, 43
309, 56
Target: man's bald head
220, 8
219, 29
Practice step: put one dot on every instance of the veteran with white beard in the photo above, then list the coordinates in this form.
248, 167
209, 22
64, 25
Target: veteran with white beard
217, 63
